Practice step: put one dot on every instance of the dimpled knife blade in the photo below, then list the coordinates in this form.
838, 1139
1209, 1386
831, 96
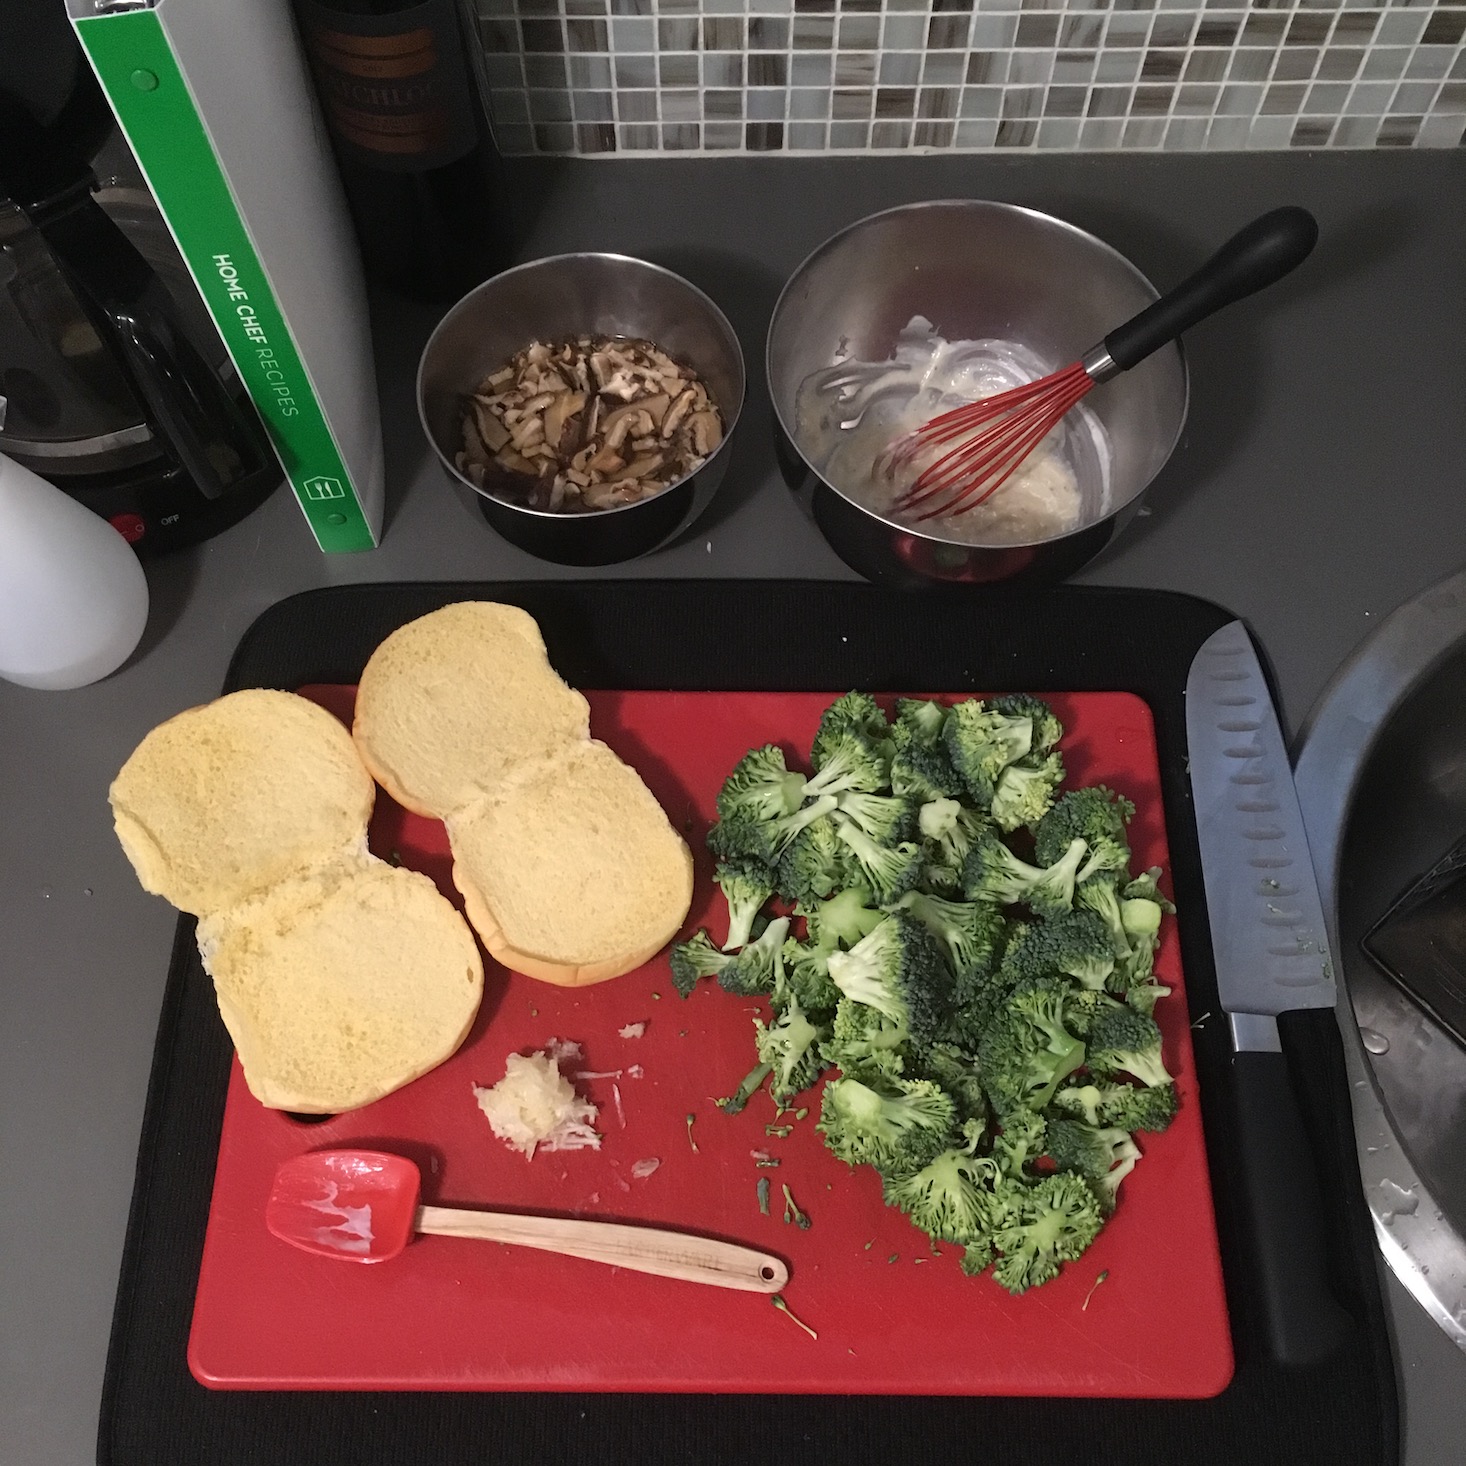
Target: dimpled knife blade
1268, 932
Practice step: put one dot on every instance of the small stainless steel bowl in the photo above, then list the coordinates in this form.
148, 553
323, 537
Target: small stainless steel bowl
977, 270
574, 295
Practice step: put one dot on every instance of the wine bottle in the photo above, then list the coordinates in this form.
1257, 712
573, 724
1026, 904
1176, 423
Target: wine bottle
412, 143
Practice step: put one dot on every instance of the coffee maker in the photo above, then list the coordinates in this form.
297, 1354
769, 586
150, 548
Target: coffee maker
114, 384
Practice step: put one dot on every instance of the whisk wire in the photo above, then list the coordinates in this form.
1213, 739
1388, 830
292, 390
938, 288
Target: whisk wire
997, 463
1017, 421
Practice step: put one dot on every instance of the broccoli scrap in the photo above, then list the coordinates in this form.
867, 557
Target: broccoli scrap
792, 1212
745, 1091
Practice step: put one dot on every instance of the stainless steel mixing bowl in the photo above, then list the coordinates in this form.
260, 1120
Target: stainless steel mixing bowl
573, 295
976, 270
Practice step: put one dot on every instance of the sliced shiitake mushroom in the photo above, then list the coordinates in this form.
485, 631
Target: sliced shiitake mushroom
586, 424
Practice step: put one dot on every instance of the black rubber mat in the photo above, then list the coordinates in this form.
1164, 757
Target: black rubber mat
769, 635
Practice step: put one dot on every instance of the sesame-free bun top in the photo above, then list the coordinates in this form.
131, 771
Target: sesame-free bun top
222, 801
449, 703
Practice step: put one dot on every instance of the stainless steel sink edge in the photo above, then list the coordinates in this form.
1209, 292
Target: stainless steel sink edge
1418, 1242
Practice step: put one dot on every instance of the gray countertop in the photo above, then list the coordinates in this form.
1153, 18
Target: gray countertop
1318, 485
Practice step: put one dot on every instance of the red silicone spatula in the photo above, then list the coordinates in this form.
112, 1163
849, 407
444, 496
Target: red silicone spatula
362, 1206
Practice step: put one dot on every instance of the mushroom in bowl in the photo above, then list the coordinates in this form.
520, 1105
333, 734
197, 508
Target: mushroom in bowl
580, 360
590, 424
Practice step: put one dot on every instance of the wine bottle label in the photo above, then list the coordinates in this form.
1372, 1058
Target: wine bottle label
394, 87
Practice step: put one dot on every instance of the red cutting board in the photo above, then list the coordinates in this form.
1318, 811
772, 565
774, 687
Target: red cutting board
892, 1315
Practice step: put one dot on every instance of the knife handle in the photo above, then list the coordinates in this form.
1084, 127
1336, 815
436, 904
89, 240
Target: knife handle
1281, 1163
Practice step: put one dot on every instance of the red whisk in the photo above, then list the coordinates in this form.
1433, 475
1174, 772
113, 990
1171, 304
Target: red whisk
995, 434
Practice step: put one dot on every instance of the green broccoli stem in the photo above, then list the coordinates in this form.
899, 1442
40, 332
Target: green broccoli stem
752, 1080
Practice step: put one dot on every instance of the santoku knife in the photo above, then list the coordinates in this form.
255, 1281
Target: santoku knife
1272, 956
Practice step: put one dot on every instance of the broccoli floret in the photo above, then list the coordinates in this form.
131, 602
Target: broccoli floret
968, 931
806, 979
760, 787
856, 712
1057, 1218
1145, 995
758, 967
696, 958
1145, 887
945, 1198
940, 880
897, 970
1085, 1102
1141, 919
765, 840
746, 884
1099, 894
919, 720
1025, 791
1053, 892
813, 864
1097, 816
976, 999
1086, 1150
887, 819
1026, 1051
950, 829
790, 1045
1082, 1007
1140, 1107
888, 871
956, 1072
1106, 1188
1127, 1106
921, 772
1019, 1143
1124, 1041
993, 873
897, 1127
845, 760
844, 919
866, 1044
1047, 729
1074, 943
981, 744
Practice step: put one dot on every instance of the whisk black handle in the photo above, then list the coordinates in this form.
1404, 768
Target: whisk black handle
1256, 256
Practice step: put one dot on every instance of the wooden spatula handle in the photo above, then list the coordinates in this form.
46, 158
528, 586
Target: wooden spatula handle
682, 1255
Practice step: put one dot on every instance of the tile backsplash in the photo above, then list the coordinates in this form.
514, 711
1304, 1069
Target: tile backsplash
800, 76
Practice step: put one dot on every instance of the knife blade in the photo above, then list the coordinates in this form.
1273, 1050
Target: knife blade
1268, 931
1272, 959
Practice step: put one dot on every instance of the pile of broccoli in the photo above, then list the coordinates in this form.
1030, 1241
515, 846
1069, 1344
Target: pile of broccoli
989, 1015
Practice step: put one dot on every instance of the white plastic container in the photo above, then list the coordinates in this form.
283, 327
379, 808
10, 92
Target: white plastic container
73, 598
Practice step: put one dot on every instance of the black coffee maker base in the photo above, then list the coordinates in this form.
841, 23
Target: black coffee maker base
156, 511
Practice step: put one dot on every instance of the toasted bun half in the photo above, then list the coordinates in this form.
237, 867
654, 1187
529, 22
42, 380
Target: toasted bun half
572, 873
449, 703
222, 801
